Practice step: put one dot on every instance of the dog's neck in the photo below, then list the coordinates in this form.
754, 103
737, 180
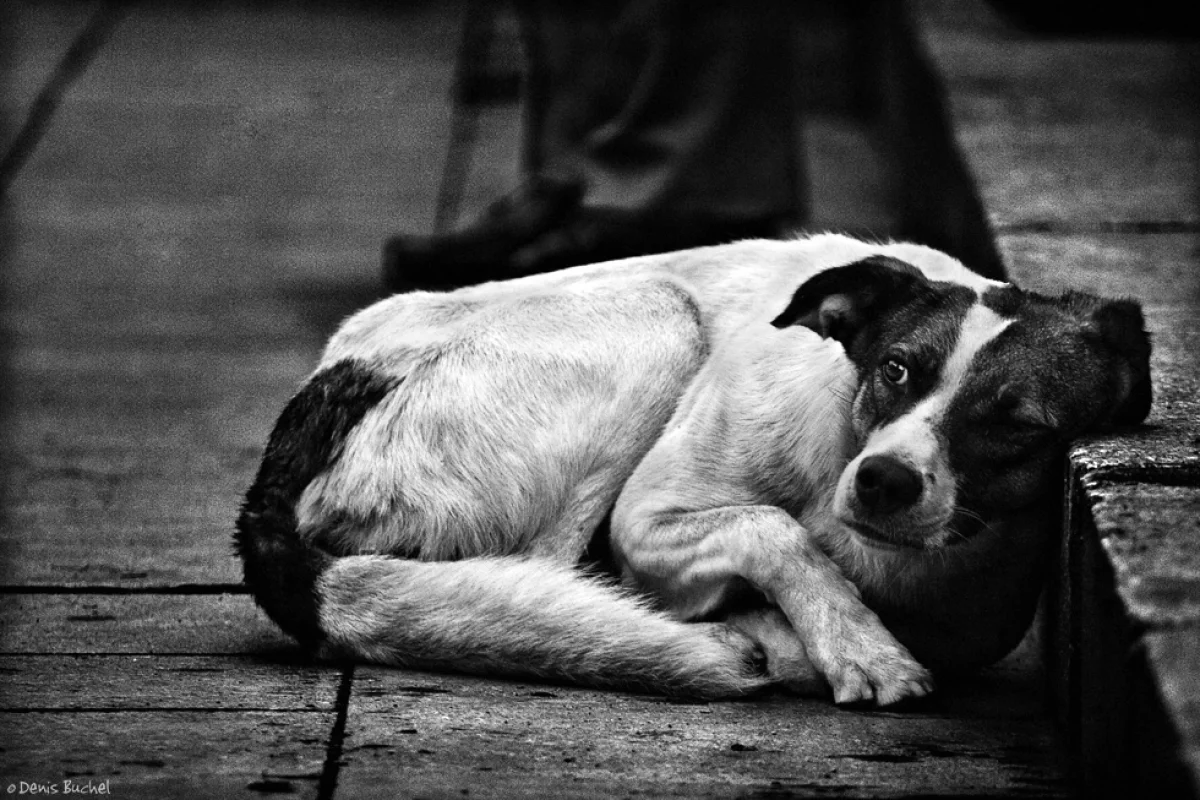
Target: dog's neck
961, 606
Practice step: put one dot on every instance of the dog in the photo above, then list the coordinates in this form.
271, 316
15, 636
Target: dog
821, 465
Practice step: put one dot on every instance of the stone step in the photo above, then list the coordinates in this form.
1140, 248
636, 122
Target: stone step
1067, 158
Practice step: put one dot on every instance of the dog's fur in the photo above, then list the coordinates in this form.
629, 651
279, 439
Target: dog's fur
827, 464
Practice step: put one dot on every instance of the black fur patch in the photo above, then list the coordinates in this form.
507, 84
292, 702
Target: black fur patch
280, 569
871, 303
868, 287
1065, 366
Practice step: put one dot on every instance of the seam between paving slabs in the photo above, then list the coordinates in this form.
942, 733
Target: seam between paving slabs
157, 709
176, 589
1136, 227
1185, 474
72, 65
331, 769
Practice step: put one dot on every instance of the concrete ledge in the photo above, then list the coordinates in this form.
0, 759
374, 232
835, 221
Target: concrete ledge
1070, 160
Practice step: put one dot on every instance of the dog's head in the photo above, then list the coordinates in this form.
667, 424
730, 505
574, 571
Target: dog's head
966, 400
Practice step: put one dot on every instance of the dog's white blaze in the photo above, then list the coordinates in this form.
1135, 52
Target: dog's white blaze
981, 326
912, 433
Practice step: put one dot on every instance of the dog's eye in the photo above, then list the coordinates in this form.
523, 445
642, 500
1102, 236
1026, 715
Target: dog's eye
895, 372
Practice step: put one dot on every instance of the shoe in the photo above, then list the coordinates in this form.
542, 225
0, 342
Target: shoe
542, 227
593, 235
478, 253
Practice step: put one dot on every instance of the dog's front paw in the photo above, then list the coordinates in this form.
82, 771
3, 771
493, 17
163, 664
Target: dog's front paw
863, 663
886, 676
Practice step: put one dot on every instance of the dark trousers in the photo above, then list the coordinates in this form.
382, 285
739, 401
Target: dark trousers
665, 106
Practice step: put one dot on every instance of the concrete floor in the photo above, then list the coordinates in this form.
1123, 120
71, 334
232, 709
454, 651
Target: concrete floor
188, 214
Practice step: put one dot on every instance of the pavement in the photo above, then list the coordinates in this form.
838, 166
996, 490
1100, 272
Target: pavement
195, 195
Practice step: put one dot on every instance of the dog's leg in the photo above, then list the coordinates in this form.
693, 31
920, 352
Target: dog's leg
788, 665
688, 558
590, 501
526, 617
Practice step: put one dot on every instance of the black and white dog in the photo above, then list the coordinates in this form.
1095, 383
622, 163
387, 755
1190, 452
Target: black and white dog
824, 464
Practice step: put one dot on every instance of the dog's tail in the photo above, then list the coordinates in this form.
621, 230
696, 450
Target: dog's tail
280, 568
511, 616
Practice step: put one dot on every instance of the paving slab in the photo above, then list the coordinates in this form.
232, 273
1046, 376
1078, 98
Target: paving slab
1172, 656
175, 257
164, 683
1157, 570
131, 474
159, 754
138, 623
1055, 135
409, 735
162, 726
34, 38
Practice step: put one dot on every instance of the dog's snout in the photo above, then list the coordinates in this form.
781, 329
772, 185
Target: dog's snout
885, 485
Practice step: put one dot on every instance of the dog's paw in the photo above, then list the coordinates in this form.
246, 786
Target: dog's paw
712, 662
785, 662
886, 677
864, 664
749, 654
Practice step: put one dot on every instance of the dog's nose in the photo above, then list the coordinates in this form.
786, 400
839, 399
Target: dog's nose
885, 485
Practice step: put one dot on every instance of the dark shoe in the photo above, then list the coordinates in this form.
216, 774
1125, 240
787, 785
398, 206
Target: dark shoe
480, 252
591, 236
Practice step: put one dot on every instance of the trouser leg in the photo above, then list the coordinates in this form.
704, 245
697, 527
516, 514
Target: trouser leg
665, 106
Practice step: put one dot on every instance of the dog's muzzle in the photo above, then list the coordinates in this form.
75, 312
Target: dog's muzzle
889, 504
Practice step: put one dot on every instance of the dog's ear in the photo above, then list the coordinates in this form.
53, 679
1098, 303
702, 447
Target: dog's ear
839, 302
1122, 332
